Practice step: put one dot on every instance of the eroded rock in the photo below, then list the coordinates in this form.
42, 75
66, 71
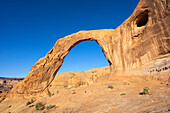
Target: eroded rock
142, 38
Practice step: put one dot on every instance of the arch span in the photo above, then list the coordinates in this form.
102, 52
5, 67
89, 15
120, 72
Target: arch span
44, 71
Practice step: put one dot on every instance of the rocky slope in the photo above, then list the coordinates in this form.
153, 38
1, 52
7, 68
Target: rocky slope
91, 92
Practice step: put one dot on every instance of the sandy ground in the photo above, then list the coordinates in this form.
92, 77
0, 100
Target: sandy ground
98, 98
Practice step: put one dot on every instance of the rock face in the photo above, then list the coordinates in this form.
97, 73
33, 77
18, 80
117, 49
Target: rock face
142, 38
76, 79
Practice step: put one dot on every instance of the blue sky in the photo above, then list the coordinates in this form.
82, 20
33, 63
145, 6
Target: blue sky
30, 28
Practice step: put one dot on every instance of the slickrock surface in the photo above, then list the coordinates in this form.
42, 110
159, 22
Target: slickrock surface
79, 95
143, 38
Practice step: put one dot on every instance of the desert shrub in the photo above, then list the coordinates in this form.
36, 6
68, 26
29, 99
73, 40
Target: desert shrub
49, 94
145, 91
30, 102
110, 86
123, 94
39, 106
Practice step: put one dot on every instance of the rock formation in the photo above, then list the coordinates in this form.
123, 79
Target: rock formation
76, 79
142, 38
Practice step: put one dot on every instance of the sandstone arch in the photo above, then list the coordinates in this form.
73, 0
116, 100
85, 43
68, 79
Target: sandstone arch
44, 71
142, 38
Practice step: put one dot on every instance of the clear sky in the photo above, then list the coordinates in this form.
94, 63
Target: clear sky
30, 28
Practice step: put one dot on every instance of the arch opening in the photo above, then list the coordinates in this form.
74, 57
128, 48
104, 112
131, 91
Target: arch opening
84, 55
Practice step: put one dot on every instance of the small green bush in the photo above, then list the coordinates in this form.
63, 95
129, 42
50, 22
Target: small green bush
39, 106
145, 91
30, 102
123, 94
49, 94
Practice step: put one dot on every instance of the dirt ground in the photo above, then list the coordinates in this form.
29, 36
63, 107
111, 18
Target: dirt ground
124, 97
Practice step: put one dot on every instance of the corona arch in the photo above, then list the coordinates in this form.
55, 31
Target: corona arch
141, 39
